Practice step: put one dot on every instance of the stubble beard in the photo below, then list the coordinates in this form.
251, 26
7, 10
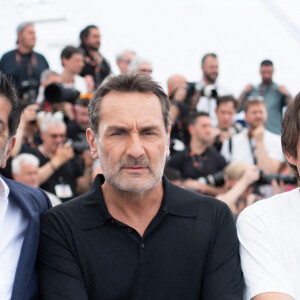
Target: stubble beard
3, 152
129, 185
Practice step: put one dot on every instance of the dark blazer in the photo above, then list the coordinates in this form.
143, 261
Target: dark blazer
33, 202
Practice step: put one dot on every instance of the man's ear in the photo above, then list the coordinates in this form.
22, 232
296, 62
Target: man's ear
91, 139
291, 159
168, 142
11, 144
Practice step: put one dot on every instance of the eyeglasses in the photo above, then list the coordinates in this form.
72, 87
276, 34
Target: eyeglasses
145, 71
55, 136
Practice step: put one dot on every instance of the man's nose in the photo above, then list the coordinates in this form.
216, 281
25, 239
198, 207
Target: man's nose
135, 147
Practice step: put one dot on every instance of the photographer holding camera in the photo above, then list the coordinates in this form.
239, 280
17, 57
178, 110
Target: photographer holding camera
200, 158
24, 65
60, 171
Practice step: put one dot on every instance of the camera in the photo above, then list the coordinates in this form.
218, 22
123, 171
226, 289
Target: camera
209, 91
267, 178
56, 93
215, 179
28, 91
78, 146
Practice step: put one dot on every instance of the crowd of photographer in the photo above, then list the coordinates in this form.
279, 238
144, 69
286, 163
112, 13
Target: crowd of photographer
219, 146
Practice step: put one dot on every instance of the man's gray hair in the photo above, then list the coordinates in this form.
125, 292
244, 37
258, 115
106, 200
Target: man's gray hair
27, 158
54, 120
127, 83
46, 74
136, 62
119, 56
23, 25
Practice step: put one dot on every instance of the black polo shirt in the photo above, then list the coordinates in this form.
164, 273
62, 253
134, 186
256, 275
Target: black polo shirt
189, 251
195, 166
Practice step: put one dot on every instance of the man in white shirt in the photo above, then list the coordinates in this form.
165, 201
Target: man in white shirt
268, 230
209, 88
255, 145
20, 208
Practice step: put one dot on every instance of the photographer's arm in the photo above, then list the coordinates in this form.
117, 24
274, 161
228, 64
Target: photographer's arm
84, 181
63, 154
264, 162
28, 114
178, 99
232, 196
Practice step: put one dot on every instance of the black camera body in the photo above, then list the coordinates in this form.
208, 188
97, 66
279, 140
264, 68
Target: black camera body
28, 91
57, 93
267, 178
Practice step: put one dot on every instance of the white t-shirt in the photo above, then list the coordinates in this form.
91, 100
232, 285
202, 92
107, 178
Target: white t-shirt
241, 150
270, 245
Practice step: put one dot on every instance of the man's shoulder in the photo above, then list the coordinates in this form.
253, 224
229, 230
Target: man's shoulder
8, 54
271, 135
34, 198
192, 204
40, 56
272, 208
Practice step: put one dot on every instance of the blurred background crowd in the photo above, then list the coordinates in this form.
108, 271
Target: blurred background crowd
223, 145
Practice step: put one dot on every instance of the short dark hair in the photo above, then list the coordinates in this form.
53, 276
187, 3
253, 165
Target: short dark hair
291, 129
69, 51
127, 83
193, 118
226, 99
266, 63
84, 33
8, 91
253, 101
207, 55
82, 101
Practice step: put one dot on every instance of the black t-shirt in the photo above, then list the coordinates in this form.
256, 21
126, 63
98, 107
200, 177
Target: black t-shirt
195, 166
24, 69
65, 175
75, 132
98, 71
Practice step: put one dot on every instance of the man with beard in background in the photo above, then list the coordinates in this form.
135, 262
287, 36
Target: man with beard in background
95, 64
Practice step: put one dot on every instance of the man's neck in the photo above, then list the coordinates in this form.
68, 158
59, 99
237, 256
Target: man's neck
197, 147
207, 81
92, 52
133, 209
67, 76
24, 50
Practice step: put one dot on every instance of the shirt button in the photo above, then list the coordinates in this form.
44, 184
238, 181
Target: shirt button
129, 229
142, 245
113, 221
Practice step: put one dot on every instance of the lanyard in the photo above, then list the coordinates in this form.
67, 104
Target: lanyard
252, 148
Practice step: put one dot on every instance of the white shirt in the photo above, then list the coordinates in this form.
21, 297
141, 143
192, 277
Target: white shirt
209, 105
270, 245
13, 225
241, 150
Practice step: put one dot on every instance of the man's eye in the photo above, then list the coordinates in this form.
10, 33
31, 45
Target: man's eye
118, 133
148, 133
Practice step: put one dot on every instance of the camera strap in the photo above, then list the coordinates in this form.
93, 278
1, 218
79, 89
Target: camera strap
252, 148
30, 65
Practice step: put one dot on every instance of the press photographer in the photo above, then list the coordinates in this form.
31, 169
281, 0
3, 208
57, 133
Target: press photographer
24, 65
61, 172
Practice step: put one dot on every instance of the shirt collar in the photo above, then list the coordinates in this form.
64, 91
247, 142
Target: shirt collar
94, 212
4, 190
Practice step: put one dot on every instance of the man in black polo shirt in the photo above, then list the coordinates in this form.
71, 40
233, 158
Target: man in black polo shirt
200, 158
135, 235
23, 64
